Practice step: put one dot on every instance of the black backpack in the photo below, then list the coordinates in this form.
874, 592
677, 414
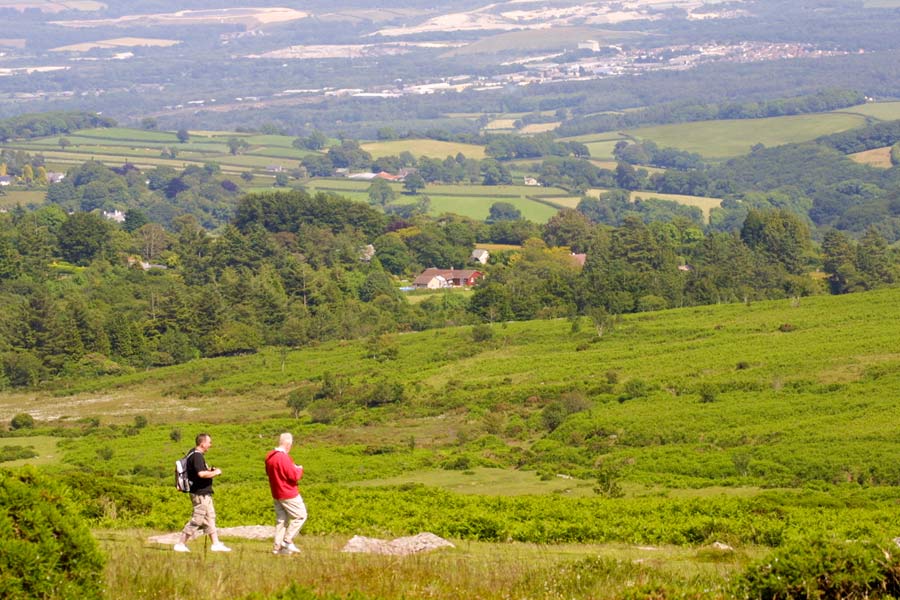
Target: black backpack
182, 483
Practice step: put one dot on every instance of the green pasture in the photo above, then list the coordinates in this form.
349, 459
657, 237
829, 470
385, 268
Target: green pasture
479, 207
46, 447
727, 138
418, 296
602, 150
884, 111
423, 147
12, 198
704, 203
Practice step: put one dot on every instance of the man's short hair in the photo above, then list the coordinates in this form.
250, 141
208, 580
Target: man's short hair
200, 438
285, 438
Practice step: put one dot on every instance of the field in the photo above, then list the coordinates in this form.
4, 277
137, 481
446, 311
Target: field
536, 203
718, 140
424, 147
52, 6
116, 43
145, 148
885, 111
251, 17
789, 444
702, 202
12, 198
877, 157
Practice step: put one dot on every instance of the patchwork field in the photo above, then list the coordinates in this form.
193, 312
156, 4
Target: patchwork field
724, 139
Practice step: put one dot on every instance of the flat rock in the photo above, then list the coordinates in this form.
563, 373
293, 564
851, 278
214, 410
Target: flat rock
421, 542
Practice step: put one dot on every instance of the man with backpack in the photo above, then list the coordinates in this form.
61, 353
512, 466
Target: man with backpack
290, 511
203, 517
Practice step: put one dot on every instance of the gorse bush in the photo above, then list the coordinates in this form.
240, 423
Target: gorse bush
46, 551
824, 569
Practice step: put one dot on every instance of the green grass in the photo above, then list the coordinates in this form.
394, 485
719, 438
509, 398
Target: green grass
727, 138
45, 446
469, 570
885, 111
12, 198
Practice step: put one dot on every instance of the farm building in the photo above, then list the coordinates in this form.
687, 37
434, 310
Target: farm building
480, 255
433, 279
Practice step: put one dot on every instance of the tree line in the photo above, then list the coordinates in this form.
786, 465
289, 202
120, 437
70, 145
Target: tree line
88, 296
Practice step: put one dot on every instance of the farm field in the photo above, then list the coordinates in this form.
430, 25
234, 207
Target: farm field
423, 147
468, 200
877, 157
886, 111
11, 198
129, 42
723, 139
704, 203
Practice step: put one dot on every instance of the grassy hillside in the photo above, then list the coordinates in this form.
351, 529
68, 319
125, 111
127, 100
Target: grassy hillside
728, 138
543, 450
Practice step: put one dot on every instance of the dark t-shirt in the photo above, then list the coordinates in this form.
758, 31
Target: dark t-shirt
199, 485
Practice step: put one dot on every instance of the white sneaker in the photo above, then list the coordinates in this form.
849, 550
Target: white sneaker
291, 549
180, 548
219, 547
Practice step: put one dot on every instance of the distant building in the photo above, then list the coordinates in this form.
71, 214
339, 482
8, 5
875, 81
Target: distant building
6, 180
579, 258
117, 215
434, 279
592, 45
362, 176
480, 255
531, 181
55, 177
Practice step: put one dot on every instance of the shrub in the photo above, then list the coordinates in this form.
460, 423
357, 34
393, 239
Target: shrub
824, 568
22, 421
175, 435
786, 328
8, 453
482, 333
46, 551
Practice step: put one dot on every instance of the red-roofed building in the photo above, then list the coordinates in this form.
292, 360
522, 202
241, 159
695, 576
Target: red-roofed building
434, 279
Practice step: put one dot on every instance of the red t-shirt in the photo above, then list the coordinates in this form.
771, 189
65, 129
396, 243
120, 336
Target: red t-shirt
283, 475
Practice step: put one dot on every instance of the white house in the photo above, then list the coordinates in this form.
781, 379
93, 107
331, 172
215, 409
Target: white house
480, 255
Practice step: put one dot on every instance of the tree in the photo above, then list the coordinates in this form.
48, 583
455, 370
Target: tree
381, 193
64, 143
83, 237
148, 123
413, 183
183, 135
237, 146
503, 211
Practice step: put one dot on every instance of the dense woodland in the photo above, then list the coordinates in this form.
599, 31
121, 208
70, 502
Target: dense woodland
289, 269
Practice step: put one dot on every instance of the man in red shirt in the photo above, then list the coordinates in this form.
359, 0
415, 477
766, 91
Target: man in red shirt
290, 512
